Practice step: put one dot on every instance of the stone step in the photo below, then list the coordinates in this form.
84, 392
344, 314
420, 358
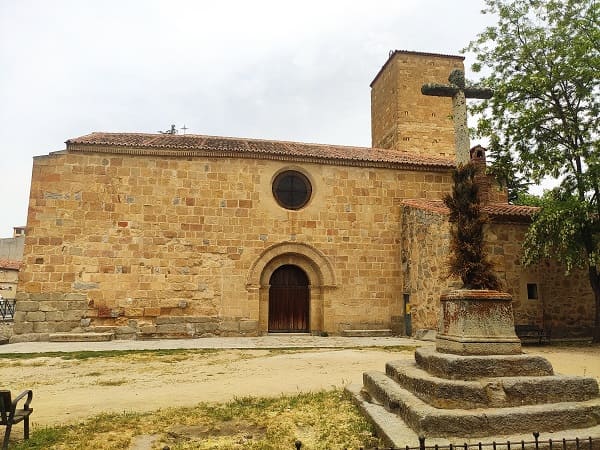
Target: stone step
80, 337
490, 392
430, 421
459, 367
367, 333
397, 434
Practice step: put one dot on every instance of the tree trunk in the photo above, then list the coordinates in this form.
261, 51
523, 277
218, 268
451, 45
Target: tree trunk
595, 283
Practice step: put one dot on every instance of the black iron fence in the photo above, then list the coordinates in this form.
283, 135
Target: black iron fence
588, 443
7, 309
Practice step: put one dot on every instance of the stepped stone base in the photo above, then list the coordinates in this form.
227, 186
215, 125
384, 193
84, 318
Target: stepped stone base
471, 367
476, 382
395, 432
367, 333
463, 396
430, 421
80, 337
495, 392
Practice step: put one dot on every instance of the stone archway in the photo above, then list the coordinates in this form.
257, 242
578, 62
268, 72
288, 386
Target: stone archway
312, 262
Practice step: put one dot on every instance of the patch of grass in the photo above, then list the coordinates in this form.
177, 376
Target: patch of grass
41, 439
326, 419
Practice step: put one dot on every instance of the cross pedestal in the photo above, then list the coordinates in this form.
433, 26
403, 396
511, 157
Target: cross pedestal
477, 322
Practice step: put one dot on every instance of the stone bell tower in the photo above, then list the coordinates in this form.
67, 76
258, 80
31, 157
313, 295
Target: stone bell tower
404, 119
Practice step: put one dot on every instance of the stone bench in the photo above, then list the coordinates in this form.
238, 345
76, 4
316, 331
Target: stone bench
10, 414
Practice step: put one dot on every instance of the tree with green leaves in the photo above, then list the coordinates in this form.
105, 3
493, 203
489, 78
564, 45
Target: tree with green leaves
542, 59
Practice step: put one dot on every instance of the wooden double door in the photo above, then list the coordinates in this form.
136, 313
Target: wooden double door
289, 302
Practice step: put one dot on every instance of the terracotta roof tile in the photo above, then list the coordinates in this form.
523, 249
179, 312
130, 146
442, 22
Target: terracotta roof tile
10, 264
256, 148
499, 211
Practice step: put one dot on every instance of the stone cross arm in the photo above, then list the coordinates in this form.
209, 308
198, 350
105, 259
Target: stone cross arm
459, 92
457, 84
444, 90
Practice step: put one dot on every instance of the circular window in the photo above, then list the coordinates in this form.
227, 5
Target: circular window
291, 189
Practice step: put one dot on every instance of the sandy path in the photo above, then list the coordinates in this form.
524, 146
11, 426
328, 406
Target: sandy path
70, 390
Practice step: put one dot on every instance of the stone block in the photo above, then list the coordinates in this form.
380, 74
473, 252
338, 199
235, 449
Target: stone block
477, 322
62, 327
27, 306
247, 326
43, 327
125, 330
51, 306
229, 325
468, 367
19, 316
54, 316
75, 297
28, 337
72, 315
148, 329
35, 316
172, 328
133, 312
151, 312
21, 327
77, 304
206, 327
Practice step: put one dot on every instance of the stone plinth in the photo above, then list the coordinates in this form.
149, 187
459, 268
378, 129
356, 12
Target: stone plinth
476, 382
477, 322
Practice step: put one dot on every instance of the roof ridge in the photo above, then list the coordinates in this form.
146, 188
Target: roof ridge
255, 145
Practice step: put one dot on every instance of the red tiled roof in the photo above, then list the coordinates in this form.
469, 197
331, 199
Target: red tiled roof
10, 264
192, 145
499, 211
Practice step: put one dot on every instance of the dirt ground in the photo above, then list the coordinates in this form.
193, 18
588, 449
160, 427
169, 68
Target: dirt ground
70, 390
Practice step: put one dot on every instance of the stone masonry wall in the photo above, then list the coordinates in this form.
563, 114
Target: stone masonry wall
164, 246
404, 119
564, 305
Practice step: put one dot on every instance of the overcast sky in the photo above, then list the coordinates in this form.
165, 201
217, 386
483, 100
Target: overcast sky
283, 70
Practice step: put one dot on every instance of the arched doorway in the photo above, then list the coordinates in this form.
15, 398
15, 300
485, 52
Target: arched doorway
289, 308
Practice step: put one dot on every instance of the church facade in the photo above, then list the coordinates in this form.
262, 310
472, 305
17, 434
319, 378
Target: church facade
149, 235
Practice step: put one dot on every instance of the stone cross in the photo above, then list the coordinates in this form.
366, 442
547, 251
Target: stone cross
459, 93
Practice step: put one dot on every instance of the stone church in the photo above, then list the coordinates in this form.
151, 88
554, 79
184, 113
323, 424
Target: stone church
133, 235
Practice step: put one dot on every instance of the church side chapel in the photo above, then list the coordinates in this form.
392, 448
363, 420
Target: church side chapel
133, 235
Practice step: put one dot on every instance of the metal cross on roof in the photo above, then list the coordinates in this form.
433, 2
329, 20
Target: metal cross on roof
459, 92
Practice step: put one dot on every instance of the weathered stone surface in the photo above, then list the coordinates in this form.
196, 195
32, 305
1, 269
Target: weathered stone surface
35, 316
248, 326
22, 327
28, 337
27, 306
425, 419
477, 322
80, 337
497, 392
183, 319
452, 366
229, 325
174, 329
206, 327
